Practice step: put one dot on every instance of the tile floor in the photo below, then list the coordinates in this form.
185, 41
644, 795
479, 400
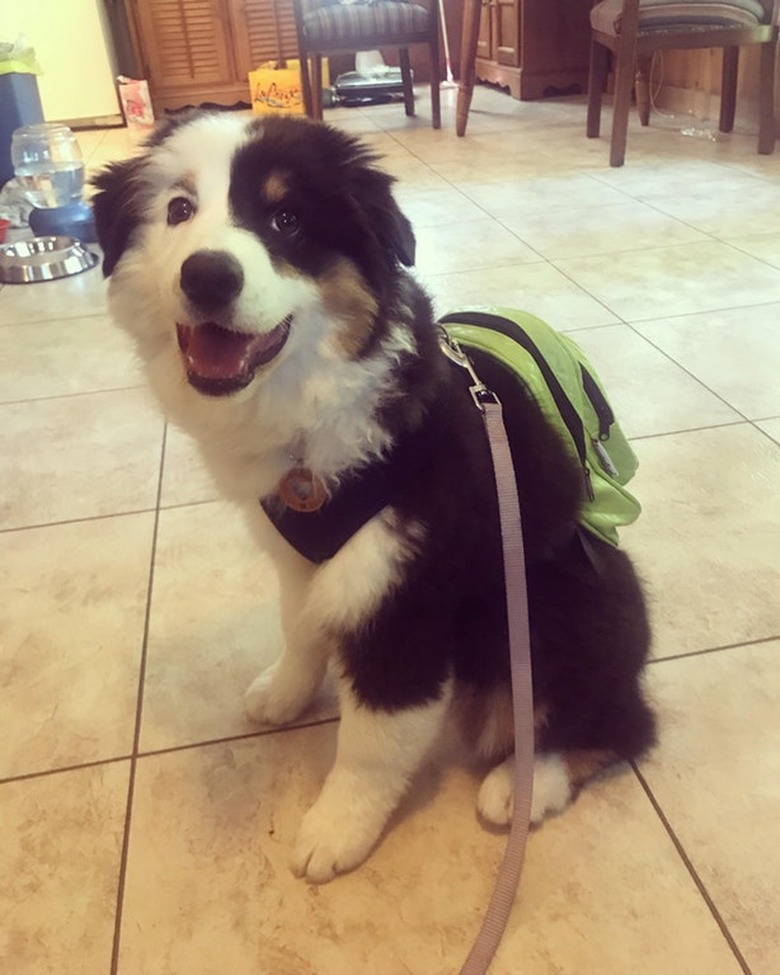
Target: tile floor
146, 824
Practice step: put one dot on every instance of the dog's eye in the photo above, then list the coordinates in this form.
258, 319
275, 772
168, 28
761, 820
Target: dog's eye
180, 209
286, 222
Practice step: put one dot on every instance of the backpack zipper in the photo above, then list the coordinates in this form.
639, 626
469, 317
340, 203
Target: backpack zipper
599, 403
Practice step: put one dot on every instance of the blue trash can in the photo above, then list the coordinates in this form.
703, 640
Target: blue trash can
20, 104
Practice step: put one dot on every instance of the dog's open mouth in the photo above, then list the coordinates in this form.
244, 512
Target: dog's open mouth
220, 361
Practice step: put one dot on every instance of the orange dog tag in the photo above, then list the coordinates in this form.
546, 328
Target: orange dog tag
302, 490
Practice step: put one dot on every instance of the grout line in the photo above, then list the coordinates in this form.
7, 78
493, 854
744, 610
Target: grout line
137, 731
44, 773
171, 749
247, 736
726, 646
692, 872
81, 392
688, 372
76, 521
707, 426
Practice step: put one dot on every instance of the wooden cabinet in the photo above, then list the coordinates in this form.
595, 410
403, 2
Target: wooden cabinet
536, 48
196, 51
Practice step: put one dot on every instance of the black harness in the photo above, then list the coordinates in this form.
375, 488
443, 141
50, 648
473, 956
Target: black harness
361, 494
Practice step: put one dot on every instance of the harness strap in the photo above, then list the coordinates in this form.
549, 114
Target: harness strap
507, 880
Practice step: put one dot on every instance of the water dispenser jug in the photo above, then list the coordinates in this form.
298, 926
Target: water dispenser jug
48, 163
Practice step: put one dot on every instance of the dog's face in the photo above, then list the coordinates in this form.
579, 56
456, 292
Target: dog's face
237, 246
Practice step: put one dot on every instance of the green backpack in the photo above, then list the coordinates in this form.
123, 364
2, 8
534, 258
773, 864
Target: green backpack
569, 392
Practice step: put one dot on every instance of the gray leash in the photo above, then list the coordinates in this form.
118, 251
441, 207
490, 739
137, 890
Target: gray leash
507, 880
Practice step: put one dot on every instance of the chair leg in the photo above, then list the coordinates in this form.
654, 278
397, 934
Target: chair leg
728, 88
597, 74
306, 86
471, 14
766, 123
406, 78
624, 82
642, 82
435, 79
317, 87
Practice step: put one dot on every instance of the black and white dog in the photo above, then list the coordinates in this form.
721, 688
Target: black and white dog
259, 266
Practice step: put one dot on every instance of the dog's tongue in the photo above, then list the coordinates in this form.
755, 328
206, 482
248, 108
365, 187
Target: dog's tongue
218, 353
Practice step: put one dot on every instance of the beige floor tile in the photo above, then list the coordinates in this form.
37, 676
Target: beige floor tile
208, 886
692, 177
78, 457
735, 353
771, 427
707, 542
744, 160
356, 123
650, 393
185, 478
214, 626
766, 247
89, 140
469, 245
677, 280
72, 631
410, 171
542, 194
560, 232
44, 301
716, 774
59, 859
725, 213
650, 147
538, 288
382, 143
488, 167
431, 208
79, 355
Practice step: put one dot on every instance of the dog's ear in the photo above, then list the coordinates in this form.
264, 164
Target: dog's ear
372, 197
116, 208
400, 235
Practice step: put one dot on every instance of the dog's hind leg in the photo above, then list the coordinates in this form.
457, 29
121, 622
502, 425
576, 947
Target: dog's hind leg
378, 754
558, 777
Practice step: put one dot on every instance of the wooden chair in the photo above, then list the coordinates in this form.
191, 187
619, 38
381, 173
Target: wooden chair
468, 60
634, 29
328, 28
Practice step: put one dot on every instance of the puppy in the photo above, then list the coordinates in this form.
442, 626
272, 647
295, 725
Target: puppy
260, 267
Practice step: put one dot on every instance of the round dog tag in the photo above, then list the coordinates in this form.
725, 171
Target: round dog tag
302, 490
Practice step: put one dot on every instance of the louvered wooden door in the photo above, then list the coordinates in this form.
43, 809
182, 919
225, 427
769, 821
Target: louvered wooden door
196, 51
264, 32
185, 42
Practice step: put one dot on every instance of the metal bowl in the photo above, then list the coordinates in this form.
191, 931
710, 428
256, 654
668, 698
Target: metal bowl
43, 259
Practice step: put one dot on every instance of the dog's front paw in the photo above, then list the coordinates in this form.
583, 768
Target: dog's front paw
336, 835
274, 698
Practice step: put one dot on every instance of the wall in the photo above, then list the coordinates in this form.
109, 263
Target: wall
68, 37
690, 82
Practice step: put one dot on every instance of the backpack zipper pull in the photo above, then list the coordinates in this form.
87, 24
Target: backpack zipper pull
588, 483
604, 459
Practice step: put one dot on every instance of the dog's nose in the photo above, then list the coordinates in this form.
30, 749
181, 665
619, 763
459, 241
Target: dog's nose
211, 279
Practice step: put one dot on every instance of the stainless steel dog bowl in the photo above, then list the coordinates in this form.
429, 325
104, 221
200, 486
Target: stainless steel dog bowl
43, 259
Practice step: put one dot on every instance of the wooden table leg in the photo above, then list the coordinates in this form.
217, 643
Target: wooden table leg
468, 57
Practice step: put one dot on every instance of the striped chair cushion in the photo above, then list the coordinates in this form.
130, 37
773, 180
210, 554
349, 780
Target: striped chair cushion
661, 15
354, 21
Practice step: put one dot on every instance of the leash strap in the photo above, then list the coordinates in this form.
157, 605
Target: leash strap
508, 878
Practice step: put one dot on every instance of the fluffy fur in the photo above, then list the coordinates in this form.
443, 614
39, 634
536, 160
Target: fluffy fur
260, 268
